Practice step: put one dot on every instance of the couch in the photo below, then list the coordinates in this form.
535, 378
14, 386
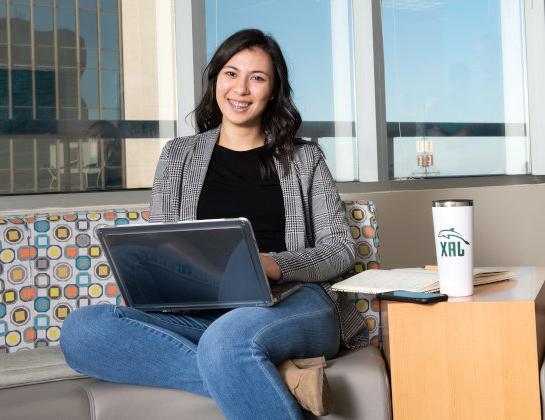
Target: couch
51, 263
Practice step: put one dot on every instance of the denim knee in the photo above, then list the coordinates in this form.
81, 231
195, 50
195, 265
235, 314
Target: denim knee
79, 328
222, 347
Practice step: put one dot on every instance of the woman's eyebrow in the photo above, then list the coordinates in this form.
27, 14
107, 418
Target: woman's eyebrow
253, 71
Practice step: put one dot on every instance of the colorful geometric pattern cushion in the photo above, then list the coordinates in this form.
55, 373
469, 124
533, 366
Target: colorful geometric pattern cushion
58, 266
15, 307
362, 219
51, 264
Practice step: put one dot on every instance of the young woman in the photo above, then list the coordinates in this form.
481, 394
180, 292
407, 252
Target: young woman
245, 161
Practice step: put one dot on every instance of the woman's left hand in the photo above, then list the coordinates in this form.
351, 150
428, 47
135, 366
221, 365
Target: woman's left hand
271, 267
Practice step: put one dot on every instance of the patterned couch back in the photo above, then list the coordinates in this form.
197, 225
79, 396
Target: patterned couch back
51, 264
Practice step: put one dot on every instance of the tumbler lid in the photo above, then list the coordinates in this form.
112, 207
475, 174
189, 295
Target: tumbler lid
452, 203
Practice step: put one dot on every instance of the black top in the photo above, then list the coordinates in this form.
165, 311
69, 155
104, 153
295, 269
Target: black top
233, 187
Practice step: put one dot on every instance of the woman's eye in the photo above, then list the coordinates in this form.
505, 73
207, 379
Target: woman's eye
230, 73
258, 78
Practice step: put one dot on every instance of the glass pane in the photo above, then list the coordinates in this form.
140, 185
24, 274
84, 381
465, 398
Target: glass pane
21, 158
68, 114
110, 89
45, 113
4, 55
66, 27
89, 89
4, 182
43, 3
21, 82
108, 4
3, 87
66, 3
109, 30
45, 88
110, 60
47, 180
20, 55
111, 114
90, 114
43, 19
4, 113
20, 23
67, 57
3, 25
45, 56
88, 4
316, 39
24, 180
88, 59
455, 96
68, 87
114, 178
44, 38
88, 28
4, 155
22, 113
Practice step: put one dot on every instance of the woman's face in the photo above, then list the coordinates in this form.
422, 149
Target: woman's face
244, 87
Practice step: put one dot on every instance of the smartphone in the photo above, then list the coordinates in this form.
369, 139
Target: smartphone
414, 297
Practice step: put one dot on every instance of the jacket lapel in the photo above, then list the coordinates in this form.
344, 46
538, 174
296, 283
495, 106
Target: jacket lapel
293, 205
194, 173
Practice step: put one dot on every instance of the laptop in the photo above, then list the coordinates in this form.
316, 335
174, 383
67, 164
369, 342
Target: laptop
186, 266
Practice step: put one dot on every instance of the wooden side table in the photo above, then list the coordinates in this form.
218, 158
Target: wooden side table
469, 358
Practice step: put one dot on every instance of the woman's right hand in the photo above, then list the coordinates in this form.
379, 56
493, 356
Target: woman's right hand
271, 267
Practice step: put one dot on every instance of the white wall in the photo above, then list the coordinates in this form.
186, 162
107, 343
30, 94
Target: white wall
509, 224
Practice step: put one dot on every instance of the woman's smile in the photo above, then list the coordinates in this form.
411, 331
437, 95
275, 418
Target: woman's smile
239, 106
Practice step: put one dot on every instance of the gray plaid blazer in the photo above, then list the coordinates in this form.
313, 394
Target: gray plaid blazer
318, 240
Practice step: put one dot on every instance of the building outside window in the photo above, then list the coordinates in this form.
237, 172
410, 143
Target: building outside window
85, 93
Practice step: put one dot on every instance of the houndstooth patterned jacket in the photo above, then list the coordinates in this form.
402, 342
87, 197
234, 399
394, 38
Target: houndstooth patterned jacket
318, 241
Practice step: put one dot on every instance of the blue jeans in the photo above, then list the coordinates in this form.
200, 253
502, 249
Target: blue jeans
229, 355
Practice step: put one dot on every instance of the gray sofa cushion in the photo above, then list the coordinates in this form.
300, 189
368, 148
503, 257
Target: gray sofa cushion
358, 381
35, 366
62, 400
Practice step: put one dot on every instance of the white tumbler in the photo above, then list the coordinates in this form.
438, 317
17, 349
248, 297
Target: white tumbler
453, 228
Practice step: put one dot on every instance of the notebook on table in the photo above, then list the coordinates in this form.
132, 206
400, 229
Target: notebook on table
372, 282
195, 265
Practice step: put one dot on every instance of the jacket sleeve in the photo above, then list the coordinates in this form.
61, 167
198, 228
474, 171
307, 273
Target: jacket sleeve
160, 188
334, 248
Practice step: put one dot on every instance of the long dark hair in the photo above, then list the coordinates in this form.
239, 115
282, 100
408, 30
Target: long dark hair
280, 120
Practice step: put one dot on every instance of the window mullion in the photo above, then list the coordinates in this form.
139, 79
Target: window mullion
535, 64
190, 59
373, 158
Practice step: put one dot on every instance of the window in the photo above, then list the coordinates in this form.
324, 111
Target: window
91, 90
316, 39
71, 117
455, 88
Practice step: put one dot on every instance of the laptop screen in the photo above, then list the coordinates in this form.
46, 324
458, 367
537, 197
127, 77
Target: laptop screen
168, 266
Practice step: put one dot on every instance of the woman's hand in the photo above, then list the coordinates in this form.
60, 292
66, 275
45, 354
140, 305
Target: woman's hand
271, 267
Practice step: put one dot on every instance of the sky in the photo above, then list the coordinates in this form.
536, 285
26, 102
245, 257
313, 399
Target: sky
443, 58
455, 61
303, 30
